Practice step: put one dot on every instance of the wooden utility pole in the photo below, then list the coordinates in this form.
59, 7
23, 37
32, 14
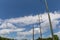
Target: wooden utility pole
40, 27
49, 19
33, 32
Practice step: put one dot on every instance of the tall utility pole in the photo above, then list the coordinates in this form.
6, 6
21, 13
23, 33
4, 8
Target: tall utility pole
33, 32
40, 27
49, 19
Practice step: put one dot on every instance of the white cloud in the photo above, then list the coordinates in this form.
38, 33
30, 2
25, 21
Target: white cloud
1, 21
7, 25
7, 31
29, 32
28, 20
45, 23
22, 35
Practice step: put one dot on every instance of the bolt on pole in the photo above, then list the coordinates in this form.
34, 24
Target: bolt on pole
49, 20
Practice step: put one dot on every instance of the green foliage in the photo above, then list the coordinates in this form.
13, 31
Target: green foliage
55, 38
1, 38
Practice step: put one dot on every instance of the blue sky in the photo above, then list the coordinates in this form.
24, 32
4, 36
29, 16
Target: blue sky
18, 16
17, 8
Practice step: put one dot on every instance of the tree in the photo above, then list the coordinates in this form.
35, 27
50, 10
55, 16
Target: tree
2, 38
56, 37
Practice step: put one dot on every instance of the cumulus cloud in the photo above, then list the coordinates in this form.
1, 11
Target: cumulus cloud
30, 32
22, 35
7, 31
8, 25
45, 24
26, 20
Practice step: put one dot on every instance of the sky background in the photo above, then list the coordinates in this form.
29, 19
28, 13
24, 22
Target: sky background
17, 17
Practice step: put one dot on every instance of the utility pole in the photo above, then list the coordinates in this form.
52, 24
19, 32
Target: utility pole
49, 19
40, 27
33, 32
